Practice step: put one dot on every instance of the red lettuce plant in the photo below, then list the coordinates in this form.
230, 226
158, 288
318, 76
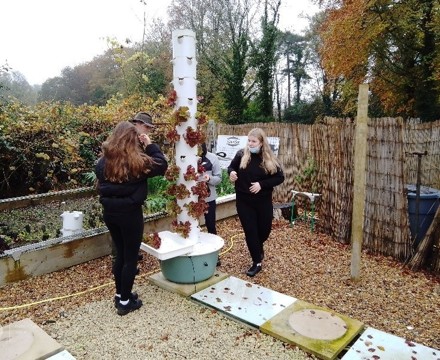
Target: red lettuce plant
194, 137
191, 173
201, 118
179, 191
172, 136
172, 173
172, 98
181, 115
200, 189
197, 209
153, 240
183, 228
173, 208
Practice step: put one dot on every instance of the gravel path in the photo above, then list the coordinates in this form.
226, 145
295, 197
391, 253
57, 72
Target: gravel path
168, 326
75, 305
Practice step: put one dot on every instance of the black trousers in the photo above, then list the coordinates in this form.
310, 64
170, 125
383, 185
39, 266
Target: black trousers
210, 217
255, 213
126, 230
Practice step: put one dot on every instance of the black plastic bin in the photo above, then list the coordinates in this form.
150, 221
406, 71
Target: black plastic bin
428, 203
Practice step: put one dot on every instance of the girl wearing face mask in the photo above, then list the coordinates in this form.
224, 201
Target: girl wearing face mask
255, 171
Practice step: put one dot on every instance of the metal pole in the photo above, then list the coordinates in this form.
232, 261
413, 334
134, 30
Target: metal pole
418, 184
292, 216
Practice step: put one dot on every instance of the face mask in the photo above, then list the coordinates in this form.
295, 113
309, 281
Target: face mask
254, 150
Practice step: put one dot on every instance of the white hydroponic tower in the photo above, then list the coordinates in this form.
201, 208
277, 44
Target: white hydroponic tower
194, 258
185, 84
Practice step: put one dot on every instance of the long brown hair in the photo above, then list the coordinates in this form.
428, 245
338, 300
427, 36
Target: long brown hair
124, 158
270, 163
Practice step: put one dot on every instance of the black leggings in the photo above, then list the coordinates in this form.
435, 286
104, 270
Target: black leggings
126, 230
255, 214
210, 218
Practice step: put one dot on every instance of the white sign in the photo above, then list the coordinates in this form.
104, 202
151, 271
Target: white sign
228, 145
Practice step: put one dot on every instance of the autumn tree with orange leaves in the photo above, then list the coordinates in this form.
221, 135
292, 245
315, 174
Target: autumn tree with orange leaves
393, 45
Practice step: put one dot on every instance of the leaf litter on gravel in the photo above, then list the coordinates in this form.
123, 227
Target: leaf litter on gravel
298, 262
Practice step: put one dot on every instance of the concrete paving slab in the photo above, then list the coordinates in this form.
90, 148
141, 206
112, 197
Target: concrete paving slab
376, 344
25, 340
63, 355
242, 300
186, 289
319, 331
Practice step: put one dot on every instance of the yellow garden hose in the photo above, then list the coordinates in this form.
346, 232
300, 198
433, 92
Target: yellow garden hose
231, 244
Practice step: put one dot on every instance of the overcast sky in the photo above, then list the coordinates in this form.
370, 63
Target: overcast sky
41, 37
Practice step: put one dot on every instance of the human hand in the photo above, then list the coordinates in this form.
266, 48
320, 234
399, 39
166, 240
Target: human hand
255, 187
144, 139
233, 176
204, 178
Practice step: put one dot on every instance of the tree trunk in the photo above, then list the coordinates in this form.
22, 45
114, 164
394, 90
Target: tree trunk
289, 98
278, 99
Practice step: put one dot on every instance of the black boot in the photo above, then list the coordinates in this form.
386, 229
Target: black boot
254, 270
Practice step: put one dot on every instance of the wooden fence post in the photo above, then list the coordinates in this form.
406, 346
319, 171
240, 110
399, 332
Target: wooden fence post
360, 162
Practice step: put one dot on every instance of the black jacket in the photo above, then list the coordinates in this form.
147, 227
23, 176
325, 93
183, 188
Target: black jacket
128, 195
254, 173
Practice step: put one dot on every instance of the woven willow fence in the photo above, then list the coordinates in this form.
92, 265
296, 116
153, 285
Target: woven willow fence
319, 158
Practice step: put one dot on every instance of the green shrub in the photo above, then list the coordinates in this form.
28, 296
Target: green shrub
225, 187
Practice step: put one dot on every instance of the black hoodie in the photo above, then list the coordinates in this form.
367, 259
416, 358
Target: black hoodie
126, 196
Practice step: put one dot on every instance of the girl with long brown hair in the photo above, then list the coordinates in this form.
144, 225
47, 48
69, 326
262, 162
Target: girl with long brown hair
122, 173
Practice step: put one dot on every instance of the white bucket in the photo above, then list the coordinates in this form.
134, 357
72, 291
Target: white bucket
72, 222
